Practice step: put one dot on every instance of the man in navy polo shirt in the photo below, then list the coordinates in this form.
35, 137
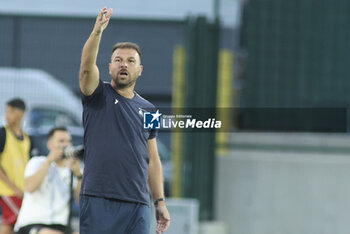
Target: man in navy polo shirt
122, 165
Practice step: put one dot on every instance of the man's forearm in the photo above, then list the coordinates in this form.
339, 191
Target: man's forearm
156, 179
89, 74
32, 183
90, 50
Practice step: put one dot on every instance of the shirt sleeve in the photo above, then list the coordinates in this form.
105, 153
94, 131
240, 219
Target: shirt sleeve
153, 134
33, 165
98, 91
2, 139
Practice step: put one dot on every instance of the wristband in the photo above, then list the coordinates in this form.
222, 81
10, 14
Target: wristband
158, 200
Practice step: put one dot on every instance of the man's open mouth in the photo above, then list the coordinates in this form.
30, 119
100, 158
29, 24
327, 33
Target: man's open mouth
123, 73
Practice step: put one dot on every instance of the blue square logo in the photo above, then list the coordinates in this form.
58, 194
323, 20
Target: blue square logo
151, 120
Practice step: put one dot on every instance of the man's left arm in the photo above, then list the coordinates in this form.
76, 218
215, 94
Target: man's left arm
155, 181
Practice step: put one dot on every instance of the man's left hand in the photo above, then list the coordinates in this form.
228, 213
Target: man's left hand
163, 218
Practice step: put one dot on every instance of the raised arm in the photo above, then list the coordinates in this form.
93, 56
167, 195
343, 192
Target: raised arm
89, 73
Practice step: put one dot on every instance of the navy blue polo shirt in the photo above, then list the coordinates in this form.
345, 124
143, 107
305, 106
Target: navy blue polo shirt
116, 146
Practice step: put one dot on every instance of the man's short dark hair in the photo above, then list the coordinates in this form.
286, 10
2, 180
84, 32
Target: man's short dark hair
53, 130
17, 103
127, 45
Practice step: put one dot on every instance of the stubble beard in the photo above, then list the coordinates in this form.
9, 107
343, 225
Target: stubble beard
123, 83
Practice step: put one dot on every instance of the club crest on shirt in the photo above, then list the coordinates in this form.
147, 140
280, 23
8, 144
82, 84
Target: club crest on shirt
141, 111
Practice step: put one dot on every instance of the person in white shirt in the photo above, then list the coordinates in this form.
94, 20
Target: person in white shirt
45, 207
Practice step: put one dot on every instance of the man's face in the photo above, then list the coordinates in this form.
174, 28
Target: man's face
60, 139
13, 115
125, 67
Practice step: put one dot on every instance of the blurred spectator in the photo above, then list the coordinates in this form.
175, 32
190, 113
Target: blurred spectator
46, 202
15, 147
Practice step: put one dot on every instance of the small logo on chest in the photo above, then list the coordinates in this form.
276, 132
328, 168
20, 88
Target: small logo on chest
141, 111
116, 101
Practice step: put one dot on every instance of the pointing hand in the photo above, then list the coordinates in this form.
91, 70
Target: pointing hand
102, 19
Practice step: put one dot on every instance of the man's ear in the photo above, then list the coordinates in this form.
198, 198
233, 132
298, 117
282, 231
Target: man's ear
141, 69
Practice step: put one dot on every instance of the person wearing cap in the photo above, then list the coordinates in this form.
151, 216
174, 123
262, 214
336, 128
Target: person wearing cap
15, 147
